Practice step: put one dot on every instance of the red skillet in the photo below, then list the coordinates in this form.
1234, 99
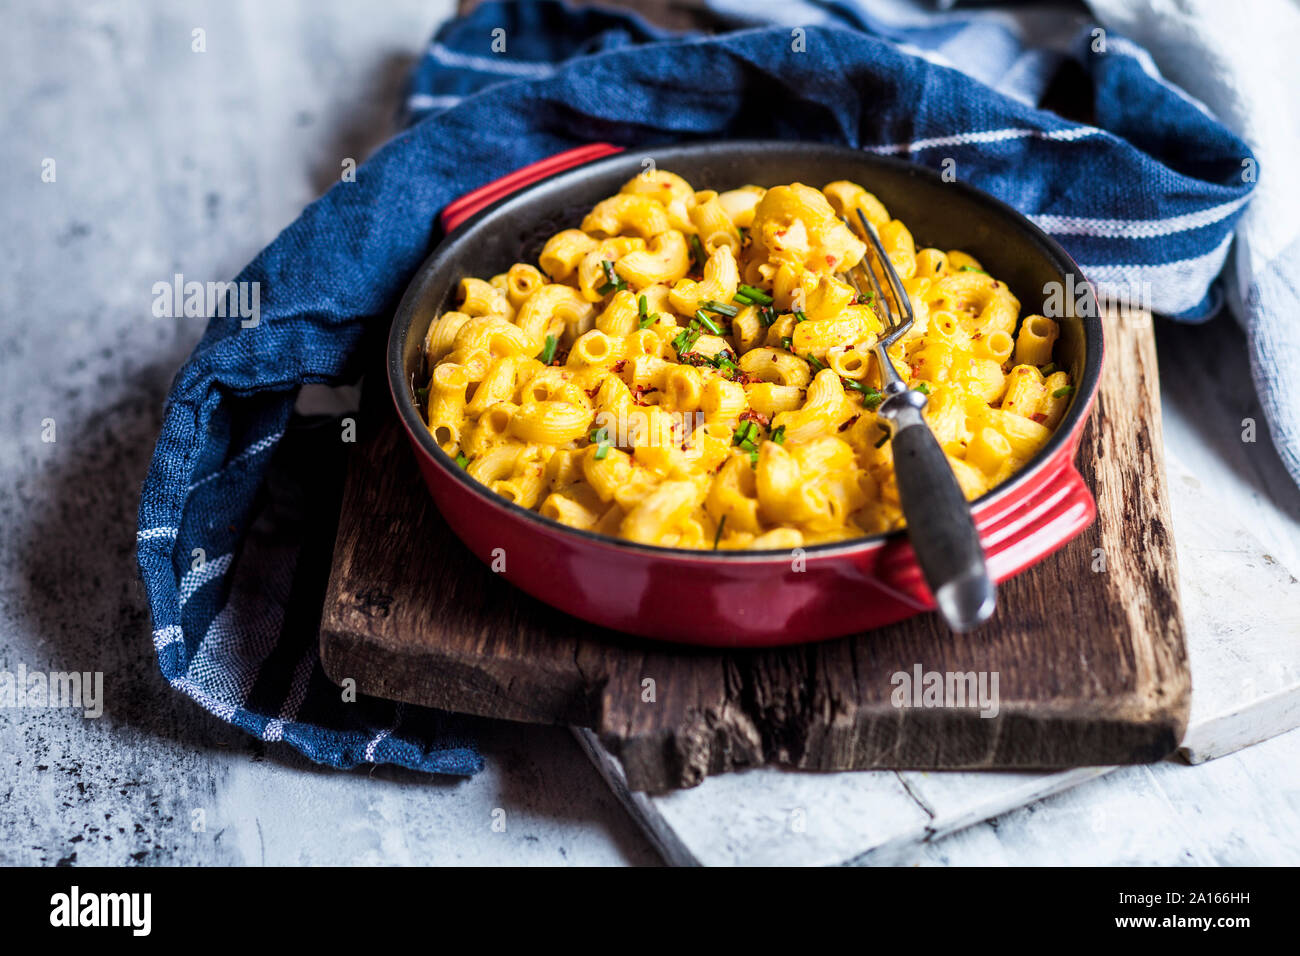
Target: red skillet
756, 598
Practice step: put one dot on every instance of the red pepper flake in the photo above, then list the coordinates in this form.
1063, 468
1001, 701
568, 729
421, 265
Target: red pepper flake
830, 260
618, 367
1039, 417
758, 418
845, 426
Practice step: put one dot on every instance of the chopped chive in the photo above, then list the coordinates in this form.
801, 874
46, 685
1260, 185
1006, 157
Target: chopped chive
1063, 391
866, 390
742, 299
870, 397
883, 438
647, 318
697, 251
725, 360
923, 388
707, 322
1048, 369
778, 435
816, 363
744, 433
973, 269
462, 460
685, 340
758, 295
800, 316
753, 458
721, 308
613, 281
766, 315
787, 343
547, 354
602, 452
718, 534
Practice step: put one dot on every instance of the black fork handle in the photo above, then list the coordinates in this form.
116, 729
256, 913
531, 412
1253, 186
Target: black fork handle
939, 520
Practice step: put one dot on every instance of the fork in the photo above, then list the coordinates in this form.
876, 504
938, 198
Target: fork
939, 521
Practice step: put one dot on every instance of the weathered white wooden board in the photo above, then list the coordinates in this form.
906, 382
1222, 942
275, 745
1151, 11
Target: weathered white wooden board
1242, 610
1240, 810
1237, 530
774, 817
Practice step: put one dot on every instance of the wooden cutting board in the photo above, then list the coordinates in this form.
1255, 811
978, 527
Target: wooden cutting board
1088, 645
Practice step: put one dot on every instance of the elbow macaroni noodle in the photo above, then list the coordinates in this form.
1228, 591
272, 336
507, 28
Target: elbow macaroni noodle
688, 369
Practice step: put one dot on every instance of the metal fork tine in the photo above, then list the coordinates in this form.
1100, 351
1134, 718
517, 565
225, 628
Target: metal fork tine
882, 310
900, 320
885, 308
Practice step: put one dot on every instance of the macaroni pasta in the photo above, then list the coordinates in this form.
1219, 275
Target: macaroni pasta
688, 368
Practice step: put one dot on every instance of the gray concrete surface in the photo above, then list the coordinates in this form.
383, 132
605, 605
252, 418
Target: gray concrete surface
169, 160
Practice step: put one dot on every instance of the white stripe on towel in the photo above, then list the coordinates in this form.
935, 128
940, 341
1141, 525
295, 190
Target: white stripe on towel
988, 136
1136, 228
259, 446
487, 64
201, 575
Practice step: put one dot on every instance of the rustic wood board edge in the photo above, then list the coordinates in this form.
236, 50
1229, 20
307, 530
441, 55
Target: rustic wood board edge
934, 740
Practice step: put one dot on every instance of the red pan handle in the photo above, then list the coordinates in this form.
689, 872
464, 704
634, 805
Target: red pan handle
461, 209
1031, 526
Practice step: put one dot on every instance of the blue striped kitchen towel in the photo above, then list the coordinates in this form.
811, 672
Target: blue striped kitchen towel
231, 499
